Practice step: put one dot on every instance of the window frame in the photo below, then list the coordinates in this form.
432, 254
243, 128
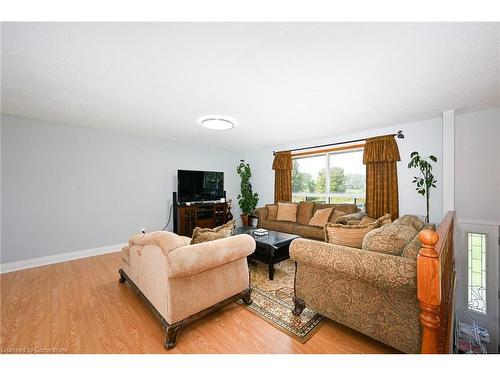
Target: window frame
327, 153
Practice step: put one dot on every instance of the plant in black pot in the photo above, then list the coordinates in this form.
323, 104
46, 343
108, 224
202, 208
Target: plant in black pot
426, 181
247, 199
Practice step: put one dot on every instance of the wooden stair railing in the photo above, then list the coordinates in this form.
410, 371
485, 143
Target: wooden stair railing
435, 286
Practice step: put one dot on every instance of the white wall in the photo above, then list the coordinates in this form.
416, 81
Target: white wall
477, 165
477, 203
448, 161
422, 136
67, 189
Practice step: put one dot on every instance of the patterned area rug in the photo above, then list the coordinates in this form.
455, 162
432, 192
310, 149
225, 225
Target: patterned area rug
272, 300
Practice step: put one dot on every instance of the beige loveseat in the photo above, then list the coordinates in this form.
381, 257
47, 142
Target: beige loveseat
372, 290
183, 282
341, 213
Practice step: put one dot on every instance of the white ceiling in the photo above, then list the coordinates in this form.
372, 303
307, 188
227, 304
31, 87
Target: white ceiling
283, 82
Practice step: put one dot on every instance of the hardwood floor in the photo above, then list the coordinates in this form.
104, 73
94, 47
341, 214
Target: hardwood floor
79, 307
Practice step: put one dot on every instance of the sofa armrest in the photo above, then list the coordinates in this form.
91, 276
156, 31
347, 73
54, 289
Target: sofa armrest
194, 259
261, 214
166, 241
382, 270
187, 240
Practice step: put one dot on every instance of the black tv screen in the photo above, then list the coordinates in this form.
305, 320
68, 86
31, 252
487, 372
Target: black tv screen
199, 186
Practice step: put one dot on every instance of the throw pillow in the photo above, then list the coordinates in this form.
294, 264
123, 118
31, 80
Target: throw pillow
351, 222
383, 220
272, 211
287, 211
357, 216
320, 217
209, 234
345, 235
336, 214
367, 220
412, 220
390, 239
349, 208
321, 206
412, 249
305, 212
386, 219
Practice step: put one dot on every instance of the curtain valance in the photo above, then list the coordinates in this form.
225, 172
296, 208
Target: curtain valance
381, 149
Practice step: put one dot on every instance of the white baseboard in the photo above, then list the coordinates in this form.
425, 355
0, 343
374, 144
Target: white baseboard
58, 258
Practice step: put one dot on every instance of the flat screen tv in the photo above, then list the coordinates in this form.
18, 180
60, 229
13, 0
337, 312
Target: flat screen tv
199, 186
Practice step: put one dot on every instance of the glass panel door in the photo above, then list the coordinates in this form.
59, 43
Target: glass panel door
477, 267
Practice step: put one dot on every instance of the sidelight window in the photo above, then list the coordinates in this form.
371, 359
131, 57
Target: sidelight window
476, 270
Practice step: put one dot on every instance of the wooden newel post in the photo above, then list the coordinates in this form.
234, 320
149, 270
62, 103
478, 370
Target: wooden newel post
429, 290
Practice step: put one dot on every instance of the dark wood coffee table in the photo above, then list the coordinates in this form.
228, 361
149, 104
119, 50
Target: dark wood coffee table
271, 248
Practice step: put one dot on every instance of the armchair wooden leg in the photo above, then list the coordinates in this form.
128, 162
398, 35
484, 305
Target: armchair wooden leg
122, 277
172, 333
246, 296
299, 306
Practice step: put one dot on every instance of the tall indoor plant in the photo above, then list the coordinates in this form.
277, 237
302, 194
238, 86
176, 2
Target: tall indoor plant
426, 181
247, 199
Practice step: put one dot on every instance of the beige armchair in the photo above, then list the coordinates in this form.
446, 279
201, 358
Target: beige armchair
182, 282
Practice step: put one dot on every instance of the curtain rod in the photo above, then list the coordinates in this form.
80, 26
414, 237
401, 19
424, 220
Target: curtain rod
399, 134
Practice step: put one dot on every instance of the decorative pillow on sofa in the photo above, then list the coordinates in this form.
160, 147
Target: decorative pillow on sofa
344, 219
336, 214
347, 235
320, 217
381, 221
348, 208
208, 234
413, 248
351, 222
272, 211
322, 206
305, 212
415, 221
390, 239
367, 220
287, 212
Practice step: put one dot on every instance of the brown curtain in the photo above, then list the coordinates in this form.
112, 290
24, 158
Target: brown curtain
380, 157
282, 166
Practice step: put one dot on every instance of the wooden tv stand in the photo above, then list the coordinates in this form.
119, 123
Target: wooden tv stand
203, 215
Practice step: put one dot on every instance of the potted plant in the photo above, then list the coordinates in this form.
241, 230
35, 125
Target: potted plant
426, 181
247, 199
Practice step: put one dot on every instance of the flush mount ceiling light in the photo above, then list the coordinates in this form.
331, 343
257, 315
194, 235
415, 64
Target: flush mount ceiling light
215, 122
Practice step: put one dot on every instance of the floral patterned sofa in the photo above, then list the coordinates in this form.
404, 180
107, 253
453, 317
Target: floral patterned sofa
372, 290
